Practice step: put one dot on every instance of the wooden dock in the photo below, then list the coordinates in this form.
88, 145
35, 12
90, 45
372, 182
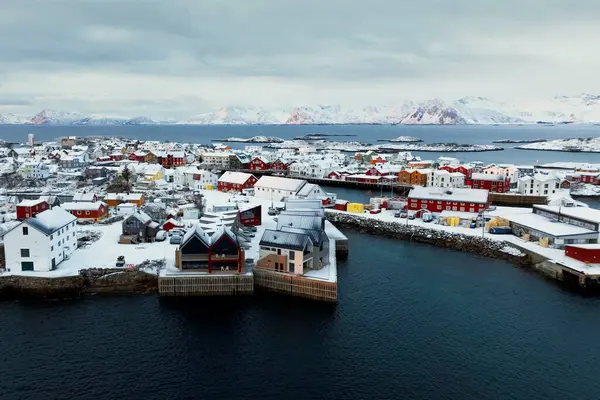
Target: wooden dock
297, 286
206, 285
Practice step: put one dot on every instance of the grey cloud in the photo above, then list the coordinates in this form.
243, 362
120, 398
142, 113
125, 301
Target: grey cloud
308, 40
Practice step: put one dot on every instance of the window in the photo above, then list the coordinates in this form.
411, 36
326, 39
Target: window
278, 252
25, 230
51, 237
291, 267
292, 255
24, 252
51, 248
87, 213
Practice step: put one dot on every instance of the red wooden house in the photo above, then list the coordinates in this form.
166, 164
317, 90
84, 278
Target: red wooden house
441, 199
251, 216
259, 164
138, 156
334, 175
171, 224
172, 159
363, 178
489, 182
235, 181
279, 165
30, 208
93, 211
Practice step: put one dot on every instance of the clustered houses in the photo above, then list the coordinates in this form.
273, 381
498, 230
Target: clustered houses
41, 242
219, 253
440, 199
139, 227
195, 178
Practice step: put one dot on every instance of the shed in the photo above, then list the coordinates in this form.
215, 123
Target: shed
587, 253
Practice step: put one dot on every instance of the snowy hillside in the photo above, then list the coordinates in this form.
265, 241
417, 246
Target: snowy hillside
583, 108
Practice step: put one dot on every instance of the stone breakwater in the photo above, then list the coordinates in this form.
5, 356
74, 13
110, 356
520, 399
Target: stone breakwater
89, 281
472, 244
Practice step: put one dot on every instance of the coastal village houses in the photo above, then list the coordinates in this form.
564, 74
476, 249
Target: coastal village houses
489, 182
41, 242
84, 210
30, 208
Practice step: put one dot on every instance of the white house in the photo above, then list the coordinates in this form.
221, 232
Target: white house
126, 208
42, 242
32, 169
275, 187
444, 179
538, 185
218, 159
200, 179
289, 252
190, 211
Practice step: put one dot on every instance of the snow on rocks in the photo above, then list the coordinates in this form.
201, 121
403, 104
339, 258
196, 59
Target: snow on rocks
512, 251
586, 190
253, 139
441, 147
406, 139
588, 145
360, 146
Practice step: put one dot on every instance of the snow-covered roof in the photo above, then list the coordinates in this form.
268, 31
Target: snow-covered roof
303, 204
235, 177
583, 213
198, 232
124, 196
545, 225
287, 240
174, 222
83, 206
132, 205
444, 194
30, 203
83, 196
364, 176
276, 182
50, 221
307, 189
487, 177
142, 217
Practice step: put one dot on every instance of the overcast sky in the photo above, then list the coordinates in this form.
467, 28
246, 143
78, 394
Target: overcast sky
179, 58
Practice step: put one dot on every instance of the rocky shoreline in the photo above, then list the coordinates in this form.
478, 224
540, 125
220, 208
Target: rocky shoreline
471, 244
88, 282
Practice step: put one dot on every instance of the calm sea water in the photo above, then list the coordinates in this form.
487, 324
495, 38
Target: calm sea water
472, 134
413, 322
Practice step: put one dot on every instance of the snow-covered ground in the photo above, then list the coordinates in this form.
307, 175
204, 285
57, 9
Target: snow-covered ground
253, 139
406, 139
591, 145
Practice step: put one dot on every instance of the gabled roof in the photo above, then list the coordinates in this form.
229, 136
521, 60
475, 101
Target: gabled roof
275, 182
286, 240
235, 177
30, 203
316, 236
49, 221
83, 196
141, 216
300, 221
83, 206
198, 232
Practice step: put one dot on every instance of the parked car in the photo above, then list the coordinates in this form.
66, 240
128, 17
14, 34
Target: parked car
161, 235
176, 239
375, 211
403, 214
411, 216
397, 214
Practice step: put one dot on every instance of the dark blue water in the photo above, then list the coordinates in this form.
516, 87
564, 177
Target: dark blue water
413, 322
369, 133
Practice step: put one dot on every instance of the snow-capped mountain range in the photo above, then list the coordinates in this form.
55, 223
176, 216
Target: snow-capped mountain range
584, 108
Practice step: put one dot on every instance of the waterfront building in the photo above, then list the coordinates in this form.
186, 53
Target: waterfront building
587, 253
30, 208
236, 181
463, 169
276, 187
580, 216
259, 163
219, 253
41, 242
440, 199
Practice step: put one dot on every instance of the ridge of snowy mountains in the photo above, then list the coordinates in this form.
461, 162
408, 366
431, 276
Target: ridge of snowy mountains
584, 108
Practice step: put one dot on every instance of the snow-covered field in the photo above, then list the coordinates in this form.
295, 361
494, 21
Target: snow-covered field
591, 145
